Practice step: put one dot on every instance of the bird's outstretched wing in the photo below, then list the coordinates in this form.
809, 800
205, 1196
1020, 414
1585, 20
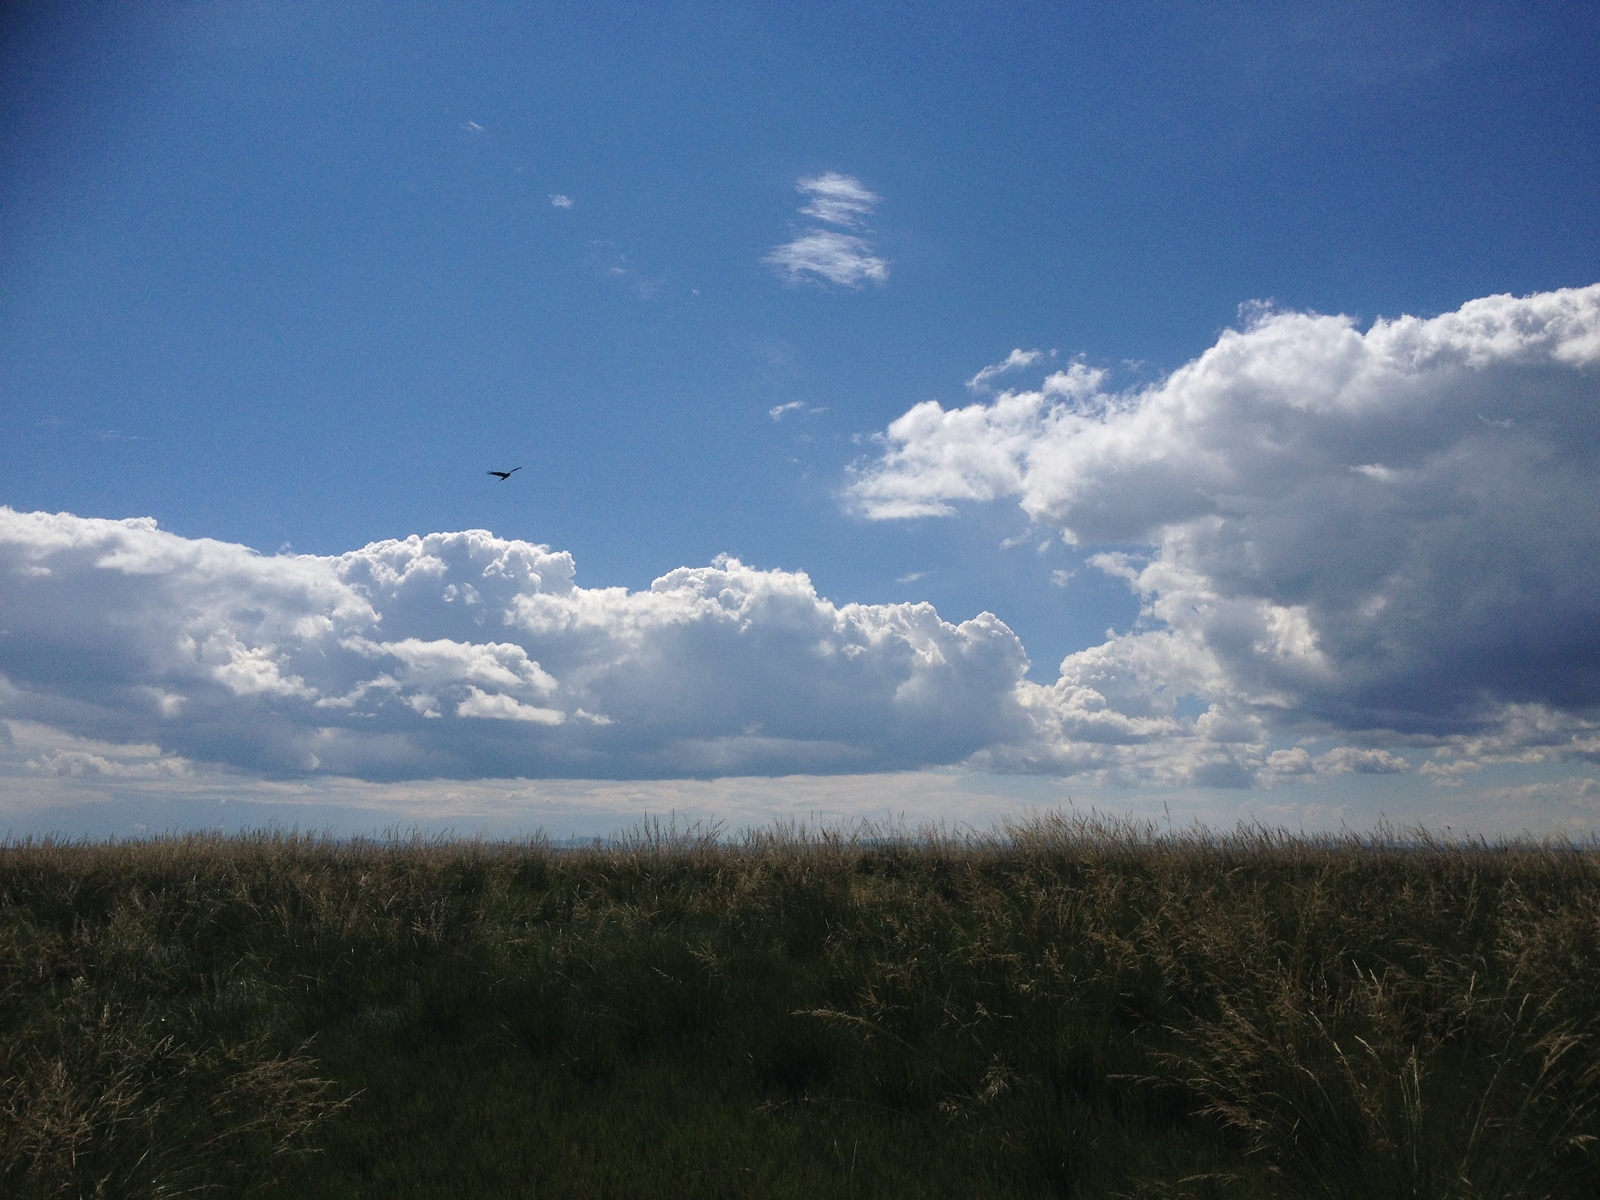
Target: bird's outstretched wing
502, 476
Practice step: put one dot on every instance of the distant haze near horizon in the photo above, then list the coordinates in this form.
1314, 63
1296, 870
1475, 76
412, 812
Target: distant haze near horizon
920, 416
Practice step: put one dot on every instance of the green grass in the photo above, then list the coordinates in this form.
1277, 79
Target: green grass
1068, 1009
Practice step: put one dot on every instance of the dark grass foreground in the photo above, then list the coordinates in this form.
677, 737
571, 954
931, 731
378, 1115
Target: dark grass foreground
1071, 1009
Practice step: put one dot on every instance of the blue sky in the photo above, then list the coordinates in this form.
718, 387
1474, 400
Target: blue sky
293, 278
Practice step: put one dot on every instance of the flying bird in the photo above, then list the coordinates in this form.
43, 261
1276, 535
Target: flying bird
502, 476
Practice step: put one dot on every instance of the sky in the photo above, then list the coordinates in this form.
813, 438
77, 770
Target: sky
924, 413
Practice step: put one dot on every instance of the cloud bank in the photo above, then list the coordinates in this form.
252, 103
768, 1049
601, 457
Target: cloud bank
467, 655
1359, 552
831, 255
1391, 536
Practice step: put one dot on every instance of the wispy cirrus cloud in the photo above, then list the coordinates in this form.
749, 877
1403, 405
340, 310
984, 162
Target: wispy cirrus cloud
1015, 361
832, 255
825, 254
837, 199
796, 407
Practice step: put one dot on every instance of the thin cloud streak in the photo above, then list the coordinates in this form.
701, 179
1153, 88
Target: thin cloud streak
840, 258
1015, 361
837, 199
830, 255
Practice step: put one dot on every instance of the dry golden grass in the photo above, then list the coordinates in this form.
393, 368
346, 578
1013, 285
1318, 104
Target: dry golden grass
1068, 1007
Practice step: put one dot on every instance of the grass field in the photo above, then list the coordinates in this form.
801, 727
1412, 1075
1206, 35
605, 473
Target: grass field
1070, 1008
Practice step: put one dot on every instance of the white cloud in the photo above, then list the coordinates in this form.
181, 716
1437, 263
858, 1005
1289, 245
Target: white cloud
469, 655
500, 707
934, 457
817, 254
1338, 561
155, 765
1393, 532
837, 199
797, 407
1015, 361
559, 201
841, 258
1345, 759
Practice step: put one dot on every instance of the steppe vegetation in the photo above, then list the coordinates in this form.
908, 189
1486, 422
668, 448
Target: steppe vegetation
1070, 1008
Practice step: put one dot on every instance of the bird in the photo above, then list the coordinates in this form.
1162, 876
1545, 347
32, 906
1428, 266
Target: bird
502, 476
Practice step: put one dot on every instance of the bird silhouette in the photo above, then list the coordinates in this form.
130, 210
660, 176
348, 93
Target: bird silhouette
502, 476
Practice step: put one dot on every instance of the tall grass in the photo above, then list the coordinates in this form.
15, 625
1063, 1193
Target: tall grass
1065, 1007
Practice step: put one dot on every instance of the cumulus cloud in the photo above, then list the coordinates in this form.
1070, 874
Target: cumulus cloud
463, 654
1358, 552
1392, 533
1343, 759
817, 254
154, 765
